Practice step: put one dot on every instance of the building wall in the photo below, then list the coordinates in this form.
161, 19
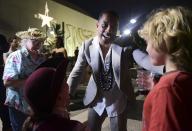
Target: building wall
18, 15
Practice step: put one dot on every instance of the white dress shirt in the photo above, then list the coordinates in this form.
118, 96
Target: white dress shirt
114, 100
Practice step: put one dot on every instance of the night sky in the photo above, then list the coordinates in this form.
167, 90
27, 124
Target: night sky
127, 9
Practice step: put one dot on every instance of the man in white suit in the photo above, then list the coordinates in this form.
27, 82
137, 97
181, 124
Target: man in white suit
109, 89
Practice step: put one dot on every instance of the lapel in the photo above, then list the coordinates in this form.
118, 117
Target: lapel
95, 59
94, 56
116, 62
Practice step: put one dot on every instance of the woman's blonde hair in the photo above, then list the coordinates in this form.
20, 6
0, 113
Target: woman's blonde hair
171, 32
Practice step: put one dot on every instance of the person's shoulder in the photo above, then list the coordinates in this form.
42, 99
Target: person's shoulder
62, 49
15, 54
88, 41
182, 77
6, 54
178, 75
54, 49
173, 78
175, 84
115, 45
124, 47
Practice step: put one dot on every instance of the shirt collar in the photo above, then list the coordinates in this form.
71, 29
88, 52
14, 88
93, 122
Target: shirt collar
25, 51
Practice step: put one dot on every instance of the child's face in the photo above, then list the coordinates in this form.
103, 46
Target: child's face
63, 98
157, 58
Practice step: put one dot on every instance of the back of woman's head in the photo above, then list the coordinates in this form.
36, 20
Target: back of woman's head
171, 32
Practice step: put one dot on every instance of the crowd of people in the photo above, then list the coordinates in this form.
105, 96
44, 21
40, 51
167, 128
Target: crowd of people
37, 92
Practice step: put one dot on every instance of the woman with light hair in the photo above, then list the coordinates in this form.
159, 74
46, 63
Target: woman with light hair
168, 34
19, 65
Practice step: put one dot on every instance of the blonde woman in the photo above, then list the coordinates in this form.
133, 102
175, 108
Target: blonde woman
168, 34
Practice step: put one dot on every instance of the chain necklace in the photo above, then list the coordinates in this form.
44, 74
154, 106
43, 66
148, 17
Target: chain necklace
106, 75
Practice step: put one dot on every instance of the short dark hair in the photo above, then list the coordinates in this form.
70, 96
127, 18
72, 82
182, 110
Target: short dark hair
3, 39
4, 45
109, 12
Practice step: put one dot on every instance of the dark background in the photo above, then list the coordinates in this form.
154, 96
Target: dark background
127, 9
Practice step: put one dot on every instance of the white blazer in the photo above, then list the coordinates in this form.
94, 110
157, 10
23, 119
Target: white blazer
89, 56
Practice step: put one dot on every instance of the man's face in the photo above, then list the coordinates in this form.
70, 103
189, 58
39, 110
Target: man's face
107, 28
33, 45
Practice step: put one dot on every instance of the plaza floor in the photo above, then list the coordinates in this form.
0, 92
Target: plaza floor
78, 112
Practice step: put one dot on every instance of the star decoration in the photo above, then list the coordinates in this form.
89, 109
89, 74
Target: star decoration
45, 18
